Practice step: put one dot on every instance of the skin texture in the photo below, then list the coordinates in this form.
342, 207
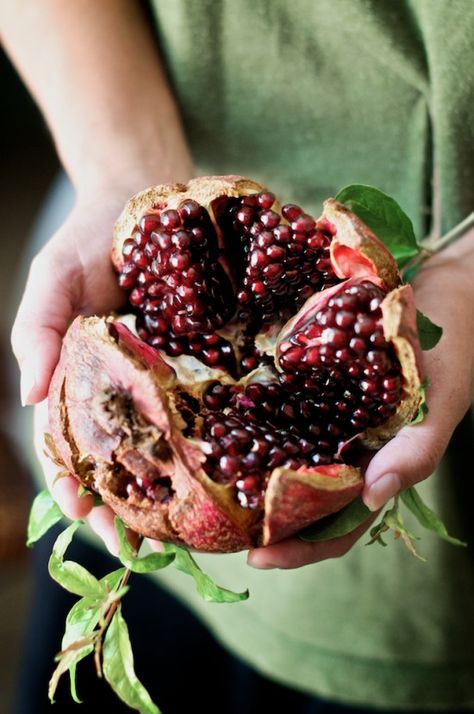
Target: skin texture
123, 119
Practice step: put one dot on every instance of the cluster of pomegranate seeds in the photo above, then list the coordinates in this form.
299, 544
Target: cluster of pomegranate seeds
178, 288
156, 490
181, 293
243, 453
284, 262
344, 342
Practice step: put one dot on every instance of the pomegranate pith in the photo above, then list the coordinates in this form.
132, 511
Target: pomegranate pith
261, 364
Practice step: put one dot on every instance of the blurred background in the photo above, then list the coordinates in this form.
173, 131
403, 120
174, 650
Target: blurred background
27, 168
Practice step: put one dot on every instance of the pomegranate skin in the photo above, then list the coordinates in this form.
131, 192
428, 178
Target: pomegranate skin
213, 438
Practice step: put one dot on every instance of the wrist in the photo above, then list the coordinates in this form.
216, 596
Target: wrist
123, 164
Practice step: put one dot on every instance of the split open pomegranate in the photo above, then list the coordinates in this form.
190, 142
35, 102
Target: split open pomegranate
268, 348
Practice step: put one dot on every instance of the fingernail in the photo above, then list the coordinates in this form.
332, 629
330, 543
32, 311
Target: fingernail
262, 565
112, 546
382, 490
27, 384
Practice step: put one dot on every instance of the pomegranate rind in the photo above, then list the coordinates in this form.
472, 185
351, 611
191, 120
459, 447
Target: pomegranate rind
294, 499
355, 250
399, 325
88, 356
204, 189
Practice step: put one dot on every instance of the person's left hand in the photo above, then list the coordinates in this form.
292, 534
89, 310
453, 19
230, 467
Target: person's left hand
444, 291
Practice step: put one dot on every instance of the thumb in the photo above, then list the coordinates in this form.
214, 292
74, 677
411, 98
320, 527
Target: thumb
40, 324
408, 458
414, 453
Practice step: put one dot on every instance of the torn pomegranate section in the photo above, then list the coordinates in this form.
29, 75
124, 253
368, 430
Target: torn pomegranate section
268, 347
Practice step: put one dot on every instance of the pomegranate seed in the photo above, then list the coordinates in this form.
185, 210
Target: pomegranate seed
315, 241
364, 326
245, 215
190, 210
128, 276
265, 199
265, 239
357, 344
369, 386
291, 211
182, 239
276, 252
139, 239
345, 319
229, 465
161, 239
170, 219
128, 247
137, 296
149, 222
258, 288
303, 223
180, 261
270, 219
336, 338
283, 234
391, 384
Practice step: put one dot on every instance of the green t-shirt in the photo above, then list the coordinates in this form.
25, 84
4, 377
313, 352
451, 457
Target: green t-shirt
308, 96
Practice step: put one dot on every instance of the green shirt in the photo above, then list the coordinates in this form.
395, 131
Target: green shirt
308, 96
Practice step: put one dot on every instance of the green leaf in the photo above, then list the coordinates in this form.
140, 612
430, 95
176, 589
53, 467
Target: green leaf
205, 586
70, 575
70, 659
44, 514
118, 668
128, 556
392, 520
86, 612
81, 621
385, 217
376, 535
426, 517
84, 617
338, 524
423, 408
429, 333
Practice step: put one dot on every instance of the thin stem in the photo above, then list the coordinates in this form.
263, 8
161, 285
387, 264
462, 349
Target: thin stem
106, 622
440, 244
453, 234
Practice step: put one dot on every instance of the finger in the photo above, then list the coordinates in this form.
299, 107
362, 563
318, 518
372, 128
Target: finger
64, 488
155, 545
415, 452
42, 318
294, 553
101, 520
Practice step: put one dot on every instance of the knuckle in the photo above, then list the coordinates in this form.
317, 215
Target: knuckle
426, 452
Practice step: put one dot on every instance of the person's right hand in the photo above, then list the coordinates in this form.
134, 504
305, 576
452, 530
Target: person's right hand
71, 275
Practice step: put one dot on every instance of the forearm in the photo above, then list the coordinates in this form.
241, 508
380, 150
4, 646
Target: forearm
96, 75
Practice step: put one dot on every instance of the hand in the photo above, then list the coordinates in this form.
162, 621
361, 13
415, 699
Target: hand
71, 275
444, 290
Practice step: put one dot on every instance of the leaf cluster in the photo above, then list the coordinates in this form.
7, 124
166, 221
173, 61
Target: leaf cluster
95, 624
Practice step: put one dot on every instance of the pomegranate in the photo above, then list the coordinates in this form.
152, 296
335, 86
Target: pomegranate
267, 348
